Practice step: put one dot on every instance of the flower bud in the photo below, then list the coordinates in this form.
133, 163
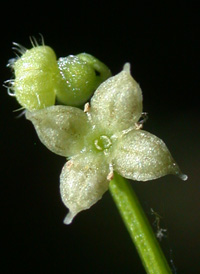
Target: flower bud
81, 75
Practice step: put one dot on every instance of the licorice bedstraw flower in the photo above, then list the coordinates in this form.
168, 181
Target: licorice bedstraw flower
104, 138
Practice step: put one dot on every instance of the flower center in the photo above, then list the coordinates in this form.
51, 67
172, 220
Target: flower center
102, 143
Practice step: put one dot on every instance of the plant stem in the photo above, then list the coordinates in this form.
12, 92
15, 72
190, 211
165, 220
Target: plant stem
138, 226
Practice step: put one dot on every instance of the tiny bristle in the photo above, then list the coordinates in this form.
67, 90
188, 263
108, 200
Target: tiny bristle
11, 92
19, 48
34, 41
21, 114
42, 39
9, 84
11, 62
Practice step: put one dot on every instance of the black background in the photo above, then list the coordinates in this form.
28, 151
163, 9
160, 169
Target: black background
161, 43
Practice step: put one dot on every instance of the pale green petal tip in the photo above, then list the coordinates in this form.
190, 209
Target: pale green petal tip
69, 218
127, 67
182, 176
175, 170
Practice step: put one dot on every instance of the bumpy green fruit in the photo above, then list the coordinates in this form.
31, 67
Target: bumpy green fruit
35, 78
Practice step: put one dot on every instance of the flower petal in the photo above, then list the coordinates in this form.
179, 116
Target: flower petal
60, 128
117, 103
142, 156
83, 181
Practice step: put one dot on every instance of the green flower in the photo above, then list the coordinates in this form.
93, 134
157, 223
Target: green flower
104, 138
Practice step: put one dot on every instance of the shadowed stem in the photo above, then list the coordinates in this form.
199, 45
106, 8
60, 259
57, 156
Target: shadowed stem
138, 227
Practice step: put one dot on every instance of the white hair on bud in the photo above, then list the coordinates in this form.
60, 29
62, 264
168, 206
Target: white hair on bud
19, 48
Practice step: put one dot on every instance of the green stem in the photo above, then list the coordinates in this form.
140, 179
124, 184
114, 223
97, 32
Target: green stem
138, 226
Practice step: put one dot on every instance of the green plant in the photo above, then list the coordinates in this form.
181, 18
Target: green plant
102, 143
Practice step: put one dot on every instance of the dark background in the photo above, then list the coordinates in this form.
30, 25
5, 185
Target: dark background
161, 43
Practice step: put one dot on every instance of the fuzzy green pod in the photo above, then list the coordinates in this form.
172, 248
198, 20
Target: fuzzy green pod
36, 72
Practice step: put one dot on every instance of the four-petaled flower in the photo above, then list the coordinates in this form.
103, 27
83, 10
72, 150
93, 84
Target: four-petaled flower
104, 138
